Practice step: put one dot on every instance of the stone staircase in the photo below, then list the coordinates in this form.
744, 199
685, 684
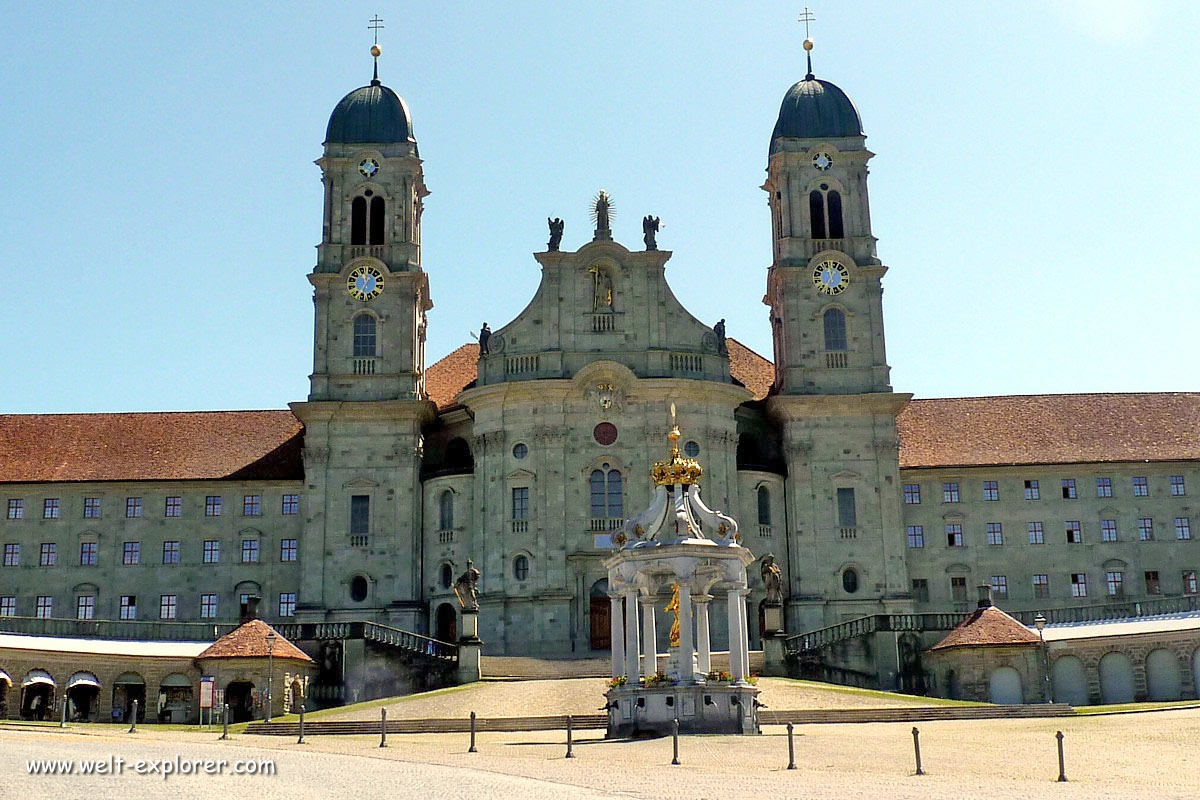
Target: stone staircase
540, 669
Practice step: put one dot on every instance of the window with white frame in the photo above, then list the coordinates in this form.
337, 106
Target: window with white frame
1037, 535
287, 604
128, 609
249, 551
1074, 532
12, 555
991, 490
1183, 529
950, 492
50, 508
85, 606
520, 503
48, 556
1115, 581
954, 534
912, 494
290, 504
608, 499
1041, 586
173, 507
131, 553
8, 606
133, 507
1103, 487
91, 508
1189, 581
16, 508
1108, 530
171, 552
1078, 584
89, 554
45, 606
212, 505
995, 533
916, 536
1068, 489
1177, 486
287, 549
167, 604
208, 606
1145, 529
1141, 487
1000, 586
252, 505
212, 551
1032, 492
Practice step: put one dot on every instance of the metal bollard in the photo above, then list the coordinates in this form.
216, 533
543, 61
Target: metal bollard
383, 727
570, 738
301, 739
472, 749
63, 724
675, 742
224, 721
133, 726
917, 749
1062, 766
791, 749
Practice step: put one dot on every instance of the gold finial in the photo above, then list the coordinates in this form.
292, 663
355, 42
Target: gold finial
376, 50
808, 44
676, 469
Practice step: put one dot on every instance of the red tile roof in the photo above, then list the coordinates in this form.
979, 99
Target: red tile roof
200, 445
753, 371
249, 640
988, 627
1050, 429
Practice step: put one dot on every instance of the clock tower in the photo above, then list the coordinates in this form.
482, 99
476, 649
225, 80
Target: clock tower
832, 398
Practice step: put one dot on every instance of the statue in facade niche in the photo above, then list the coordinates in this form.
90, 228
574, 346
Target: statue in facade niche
466, 588
650, 231
556, 233
719, 330
772, 578
485, 333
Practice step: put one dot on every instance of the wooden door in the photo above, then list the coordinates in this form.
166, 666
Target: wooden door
601, 624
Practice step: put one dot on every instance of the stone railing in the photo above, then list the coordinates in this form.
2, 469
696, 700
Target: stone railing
149, 630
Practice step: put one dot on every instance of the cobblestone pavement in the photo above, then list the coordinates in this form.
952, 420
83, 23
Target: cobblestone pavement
1117, 756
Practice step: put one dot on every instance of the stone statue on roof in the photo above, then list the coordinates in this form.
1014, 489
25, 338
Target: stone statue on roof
650, 232
719, 330
485, 333
556, 233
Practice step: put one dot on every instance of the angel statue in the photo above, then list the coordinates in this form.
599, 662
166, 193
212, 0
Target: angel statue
556, 233
650, 231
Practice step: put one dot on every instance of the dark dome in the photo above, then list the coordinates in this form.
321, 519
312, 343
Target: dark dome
371, 114
816, 109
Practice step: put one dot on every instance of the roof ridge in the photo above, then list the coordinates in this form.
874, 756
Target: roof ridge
156, 413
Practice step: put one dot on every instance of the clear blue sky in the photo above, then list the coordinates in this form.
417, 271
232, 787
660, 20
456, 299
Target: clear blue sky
1035, 191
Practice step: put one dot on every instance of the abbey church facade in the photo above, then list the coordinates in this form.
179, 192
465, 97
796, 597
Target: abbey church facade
523, 453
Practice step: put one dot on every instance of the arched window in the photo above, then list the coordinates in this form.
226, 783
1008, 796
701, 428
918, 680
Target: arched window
358, 589
835, 330
764, 505
834, 202
358, 221
364, 336
816, 210
850, 581
447, 576
377, 210
608, 500
521, 567
825, 211
446, 511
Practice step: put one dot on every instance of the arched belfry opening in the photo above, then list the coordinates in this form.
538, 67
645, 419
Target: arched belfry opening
377, 220
358, 221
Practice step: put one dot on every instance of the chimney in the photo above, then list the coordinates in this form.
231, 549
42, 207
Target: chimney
250, 608
985, 595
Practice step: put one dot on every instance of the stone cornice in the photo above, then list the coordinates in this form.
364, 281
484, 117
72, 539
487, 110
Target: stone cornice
784, 408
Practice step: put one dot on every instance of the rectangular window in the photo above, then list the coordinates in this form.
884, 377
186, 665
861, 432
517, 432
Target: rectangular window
1000, 587
89, 554
1031, 491
1189, 581
520, 503
1068, 489
1108, 530
85, 606
954, 537
167, 603
287, 604
847, 513
208, 606
291, 504
12, 555
50, 508
1036, 534
16, 509
133, 507
1152, 585
950, 492
1141, 487
1177, 487
131, 553
171, 552
128, 606
91, 508
958, 589
995, 533
1103, 487
360, 514
212, 551
1115, 582
1183, 529
1074, 532
287, 549
174, 507
991, 490
1145, 529
49, 555
1041, 586
8, 606
1078, 584
912, 494
916, 536
249, 551
212, 505
252, 505
920, 590
45, 606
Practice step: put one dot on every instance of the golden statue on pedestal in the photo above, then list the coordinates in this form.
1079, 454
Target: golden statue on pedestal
673, 607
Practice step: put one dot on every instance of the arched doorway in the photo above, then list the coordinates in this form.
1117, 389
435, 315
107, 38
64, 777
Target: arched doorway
83, 697
600, 616
1162, 676
5, 685
1004, 687
128, 686
446, 623
175, 698
1116, 679
37, 695
1069, 681
239, 696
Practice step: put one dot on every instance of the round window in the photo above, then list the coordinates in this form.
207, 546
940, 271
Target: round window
520, 450
447, 576
692, 449
850, 581
521, 567
358, 589
605, 433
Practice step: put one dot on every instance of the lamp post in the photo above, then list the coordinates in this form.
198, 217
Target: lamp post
270, 669
1039, 622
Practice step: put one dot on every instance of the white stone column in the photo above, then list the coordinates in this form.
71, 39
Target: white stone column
649, 638
616, 635
745, 649
631, 636
736, 644
686, 647
703, 643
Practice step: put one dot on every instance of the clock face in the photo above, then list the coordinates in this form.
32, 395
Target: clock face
831, 277
369, 167
822, 161
365, 283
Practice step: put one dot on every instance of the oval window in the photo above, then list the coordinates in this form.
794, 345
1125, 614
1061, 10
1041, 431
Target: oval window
447, 576
358, 589
605, 433
692, 449
521, 567
850, 581
520, 450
